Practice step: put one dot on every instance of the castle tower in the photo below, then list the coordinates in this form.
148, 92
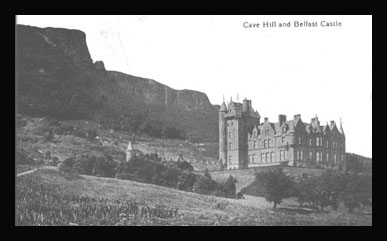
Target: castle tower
222, 136
129, 152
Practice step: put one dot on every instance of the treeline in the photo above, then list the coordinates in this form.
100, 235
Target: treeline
150, 168
329, 189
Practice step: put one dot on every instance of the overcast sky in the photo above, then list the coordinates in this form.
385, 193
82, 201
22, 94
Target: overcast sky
310, 70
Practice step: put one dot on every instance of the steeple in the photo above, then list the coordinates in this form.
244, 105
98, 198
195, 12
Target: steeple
129, 151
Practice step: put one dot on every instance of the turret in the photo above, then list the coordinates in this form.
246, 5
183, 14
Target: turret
222, 135
129, 152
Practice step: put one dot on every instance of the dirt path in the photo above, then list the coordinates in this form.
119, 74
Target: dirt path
26, 172
31, 171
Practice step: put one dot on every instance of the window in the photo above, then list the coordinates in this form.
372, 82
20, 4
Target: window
272, 157
298, 155
342, 158
268, 143
229, 159
317, 156
255, 145
281, 155
229, 135
283, 139
310, 142
317, 141
310, 155
267, 157
253, 158
264, 143
327, 157
335, 159
285, 155
302, 155
229, 146
262, 157
299, 141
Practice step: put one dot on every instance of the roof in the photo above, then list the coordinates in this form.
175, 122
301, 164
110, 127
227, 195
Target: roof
223, 107
130, 146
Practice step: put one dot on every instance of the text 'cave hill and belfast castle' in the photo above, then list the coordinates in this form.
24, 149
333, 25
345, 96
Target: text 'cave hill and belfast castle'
245, 142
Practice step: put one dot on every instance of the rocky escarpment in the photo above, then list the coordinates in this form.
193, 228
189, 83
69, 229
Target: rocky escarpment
56, 77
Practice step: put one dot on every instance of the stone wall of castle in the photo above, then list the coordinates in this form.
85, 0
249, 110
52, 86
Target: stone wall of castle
245, 142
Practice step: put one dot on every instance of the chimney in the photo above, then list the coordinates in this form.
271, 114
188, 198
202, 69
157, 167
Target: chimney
297, 117
332, 122
266, 119
281, 119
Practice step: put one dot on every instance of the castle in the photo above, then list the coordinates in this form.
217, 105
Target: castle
245, 142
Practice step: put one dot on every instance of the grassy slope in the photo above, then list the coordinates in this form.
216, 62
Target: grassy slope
195, 209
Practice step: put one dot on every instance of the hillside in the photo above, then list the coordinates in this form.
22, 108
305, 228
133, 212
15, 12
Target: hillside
31, 137
56, 77
196, 209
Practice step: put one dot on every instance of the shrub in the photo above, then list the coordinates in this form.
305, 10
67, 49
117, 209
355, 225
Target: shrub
67, 164
104, 166
230, 187
84, 165
207, 174
186, 181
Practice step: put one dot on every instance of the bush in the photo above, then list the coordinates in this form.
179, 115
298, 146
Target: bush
104, 166
84, 165
204, 185
230, 187
186, 181
67, 164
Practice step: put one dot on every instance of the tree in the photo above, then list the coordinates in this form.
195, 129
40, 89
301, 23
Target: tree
276, 185
358, 191
230, 186
207, 173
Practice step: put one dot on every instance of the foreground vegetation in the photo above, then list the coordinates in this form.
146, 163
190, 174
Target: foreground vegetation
328, 189
151, 169
193, 209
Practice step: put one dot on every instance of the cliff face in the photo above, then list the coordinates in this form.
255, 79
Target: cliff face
56, 77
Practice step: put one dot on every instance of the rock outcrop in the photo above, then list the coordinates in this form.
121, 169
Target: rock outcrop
56, 77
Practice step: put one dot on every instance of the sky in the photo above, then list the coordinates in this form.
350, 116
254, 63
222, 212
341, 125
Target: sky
323, 71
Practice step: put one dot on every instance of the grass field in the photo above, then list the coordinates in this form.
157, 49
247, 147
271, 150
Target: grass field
196, 209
